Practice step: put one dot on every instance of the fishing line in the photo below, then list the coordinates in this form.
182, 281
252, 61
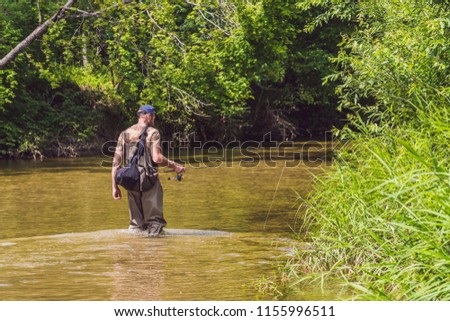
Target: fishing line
275, 194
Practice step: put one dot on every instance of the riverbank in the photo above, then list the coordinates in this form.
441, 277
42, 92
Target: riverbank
380, 220
61, 151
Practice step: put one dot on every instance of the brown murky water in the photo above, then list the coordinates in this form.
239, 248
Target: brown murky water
63, 237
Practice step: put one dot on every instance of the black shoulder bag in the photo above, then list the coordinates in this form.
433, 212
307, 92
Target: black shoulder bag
139, 174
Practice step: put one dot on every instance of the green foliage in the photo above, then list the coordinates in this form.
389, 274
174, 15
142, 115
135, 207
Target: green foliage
220, 68
45, 119
12, 26
380, 220
8, 83
396, 57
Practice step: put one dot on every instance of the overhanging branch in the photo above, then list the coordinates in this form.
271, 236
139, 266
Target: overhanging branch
39, 31
86, 14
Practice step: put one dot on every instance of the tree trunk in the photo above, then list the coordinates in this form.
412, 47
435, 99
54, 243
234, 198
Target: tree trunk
85, 49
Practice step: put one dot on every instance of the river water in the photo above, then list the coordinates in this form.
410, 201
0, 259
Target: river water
63, 237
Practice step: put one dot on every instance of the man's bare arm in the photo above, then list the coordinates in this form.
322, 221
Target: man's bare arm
162, 160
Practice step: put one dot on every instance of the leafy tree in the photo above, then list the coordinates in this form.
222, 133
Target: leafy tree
221, 69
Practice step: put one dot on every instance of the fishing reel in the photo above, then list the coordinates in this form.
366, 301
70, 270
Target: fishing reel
178, 177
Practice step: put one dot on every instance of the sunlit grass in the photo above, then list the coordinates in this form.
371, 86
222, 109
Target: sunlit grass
380, 220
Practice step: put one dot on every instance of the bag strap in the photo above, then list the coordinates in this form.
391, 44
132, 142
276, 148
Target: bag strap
143, 140
148, 158
133, 159
143, 132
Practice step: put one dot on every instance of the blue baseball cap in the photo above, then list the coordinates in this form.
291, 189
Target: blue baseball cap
148, 109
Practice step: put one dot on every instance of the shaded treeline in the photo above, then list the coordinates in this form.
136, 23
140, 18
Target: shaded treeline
220, 69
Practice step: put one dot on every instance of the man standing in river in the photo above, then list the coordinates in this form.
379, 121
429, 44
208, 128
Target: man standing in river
145, 207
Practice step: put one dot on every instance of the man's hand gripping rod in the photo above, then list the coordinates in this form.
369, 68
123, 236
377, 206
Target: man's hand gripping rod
179, 176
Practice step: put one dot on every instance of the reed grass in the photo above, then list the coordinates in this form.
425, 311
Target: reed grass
380, 220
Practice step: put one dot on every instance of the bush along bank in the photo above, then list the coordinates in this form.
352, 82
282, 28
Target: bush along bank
380, 220
60, 122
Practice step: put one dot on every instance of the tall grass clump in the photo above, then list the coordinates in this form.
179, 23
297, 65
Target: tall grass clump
380, 220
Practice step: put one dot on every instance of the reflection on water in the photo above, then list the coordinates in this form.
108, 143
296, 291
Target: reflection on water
62, 235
